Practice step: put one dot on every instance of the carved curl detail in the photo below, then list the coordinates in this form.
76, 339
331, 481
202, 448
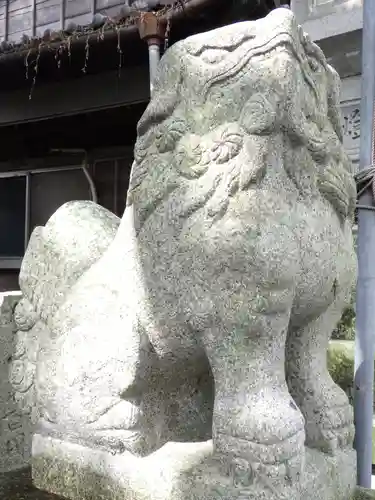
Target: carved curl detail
168, 134
195, 154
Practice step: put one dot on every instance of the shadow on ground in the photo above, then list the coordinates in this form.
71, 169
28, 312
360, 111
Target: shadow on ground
18, 486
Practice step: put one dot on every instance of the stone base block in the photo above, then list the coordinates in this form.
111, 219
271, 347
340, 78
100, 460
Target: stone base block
178, 471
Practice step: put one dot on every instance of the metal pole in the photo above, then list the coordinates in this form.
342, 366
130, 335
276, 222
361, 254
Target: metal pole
365, 308
154, 58
27, 210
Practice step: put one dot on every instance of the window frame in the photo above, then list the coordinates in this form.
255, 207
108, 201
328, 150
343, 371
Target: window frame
14, 263
95, 157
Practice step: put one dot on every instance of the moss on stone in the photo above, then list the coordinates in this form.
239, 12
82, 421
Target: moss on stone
345, 329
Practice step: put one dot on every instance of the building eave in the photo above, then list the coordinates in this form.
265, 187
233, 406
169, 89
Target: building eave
121, 30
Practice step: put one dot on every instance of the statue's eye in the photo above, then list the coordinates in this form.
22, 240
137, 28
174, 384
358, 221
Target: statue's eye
169, 133
313, 63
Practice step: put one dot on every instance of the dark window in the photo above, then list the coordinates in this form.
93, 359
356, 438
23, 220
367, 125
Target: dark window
111, 179
50, 190
124, 167
12, 216
104, 178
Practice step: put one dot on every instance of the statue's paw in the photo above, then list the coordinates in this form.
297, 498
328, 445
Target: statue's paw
275, 459
331, 429
225, 476
139, 443
333, 440
136, 442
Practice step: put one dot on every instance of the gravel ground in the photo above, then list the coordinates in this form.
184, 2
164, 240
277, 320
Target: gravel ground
17, 486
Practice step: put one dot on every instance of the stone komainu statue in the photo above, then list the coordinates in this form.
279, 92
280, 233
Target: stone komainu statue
207, 310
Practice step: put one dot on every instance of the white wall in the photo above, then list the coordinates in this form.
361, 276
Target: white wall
327, 18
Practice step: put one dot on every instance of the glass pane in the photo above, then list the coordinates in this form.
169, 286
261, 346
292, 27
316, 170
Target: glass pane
12, 216
9, 280
124, 168
50, 190
104, 178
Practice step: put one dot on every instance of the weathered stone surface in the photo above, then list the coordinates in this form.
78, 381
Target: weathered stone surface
174, 472
15, 428
73, 239
230, 268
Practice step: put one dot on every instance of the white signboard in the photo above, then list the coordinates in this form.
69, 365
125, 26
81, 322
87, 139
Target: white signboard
351, 127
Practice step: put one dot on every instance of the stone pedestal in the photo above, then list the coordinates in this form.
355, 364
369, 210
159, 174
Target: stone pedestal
177, 471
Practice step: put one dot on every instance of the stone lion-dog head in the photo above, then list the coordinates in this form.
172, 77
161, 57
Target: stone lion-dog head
248, 86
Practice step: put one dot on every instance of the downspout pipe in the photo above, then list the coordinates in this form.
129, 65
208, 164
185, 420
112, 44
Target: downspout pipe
152, 29
153, 59
84, 166
365, 307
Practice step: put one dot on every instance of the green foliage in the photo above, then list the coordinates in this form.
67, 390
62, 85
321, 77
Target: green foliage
340, 359
345, 329
364, 494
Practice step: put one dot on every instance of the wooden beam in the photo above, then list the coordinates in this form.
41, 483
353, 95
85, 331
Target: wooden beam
85, 94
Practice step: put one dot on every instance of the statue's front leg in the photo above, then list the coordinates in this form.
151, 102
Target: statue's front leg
328, 414
256, 425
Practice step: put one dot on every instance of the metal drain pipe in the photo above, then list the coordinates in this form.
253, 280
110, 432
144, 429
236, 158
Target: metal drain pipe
152, 29
365, 308
84, 166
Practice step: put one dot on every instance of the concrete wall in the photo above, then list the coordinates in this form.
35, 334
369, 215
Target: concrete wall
336, 25
327, 18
